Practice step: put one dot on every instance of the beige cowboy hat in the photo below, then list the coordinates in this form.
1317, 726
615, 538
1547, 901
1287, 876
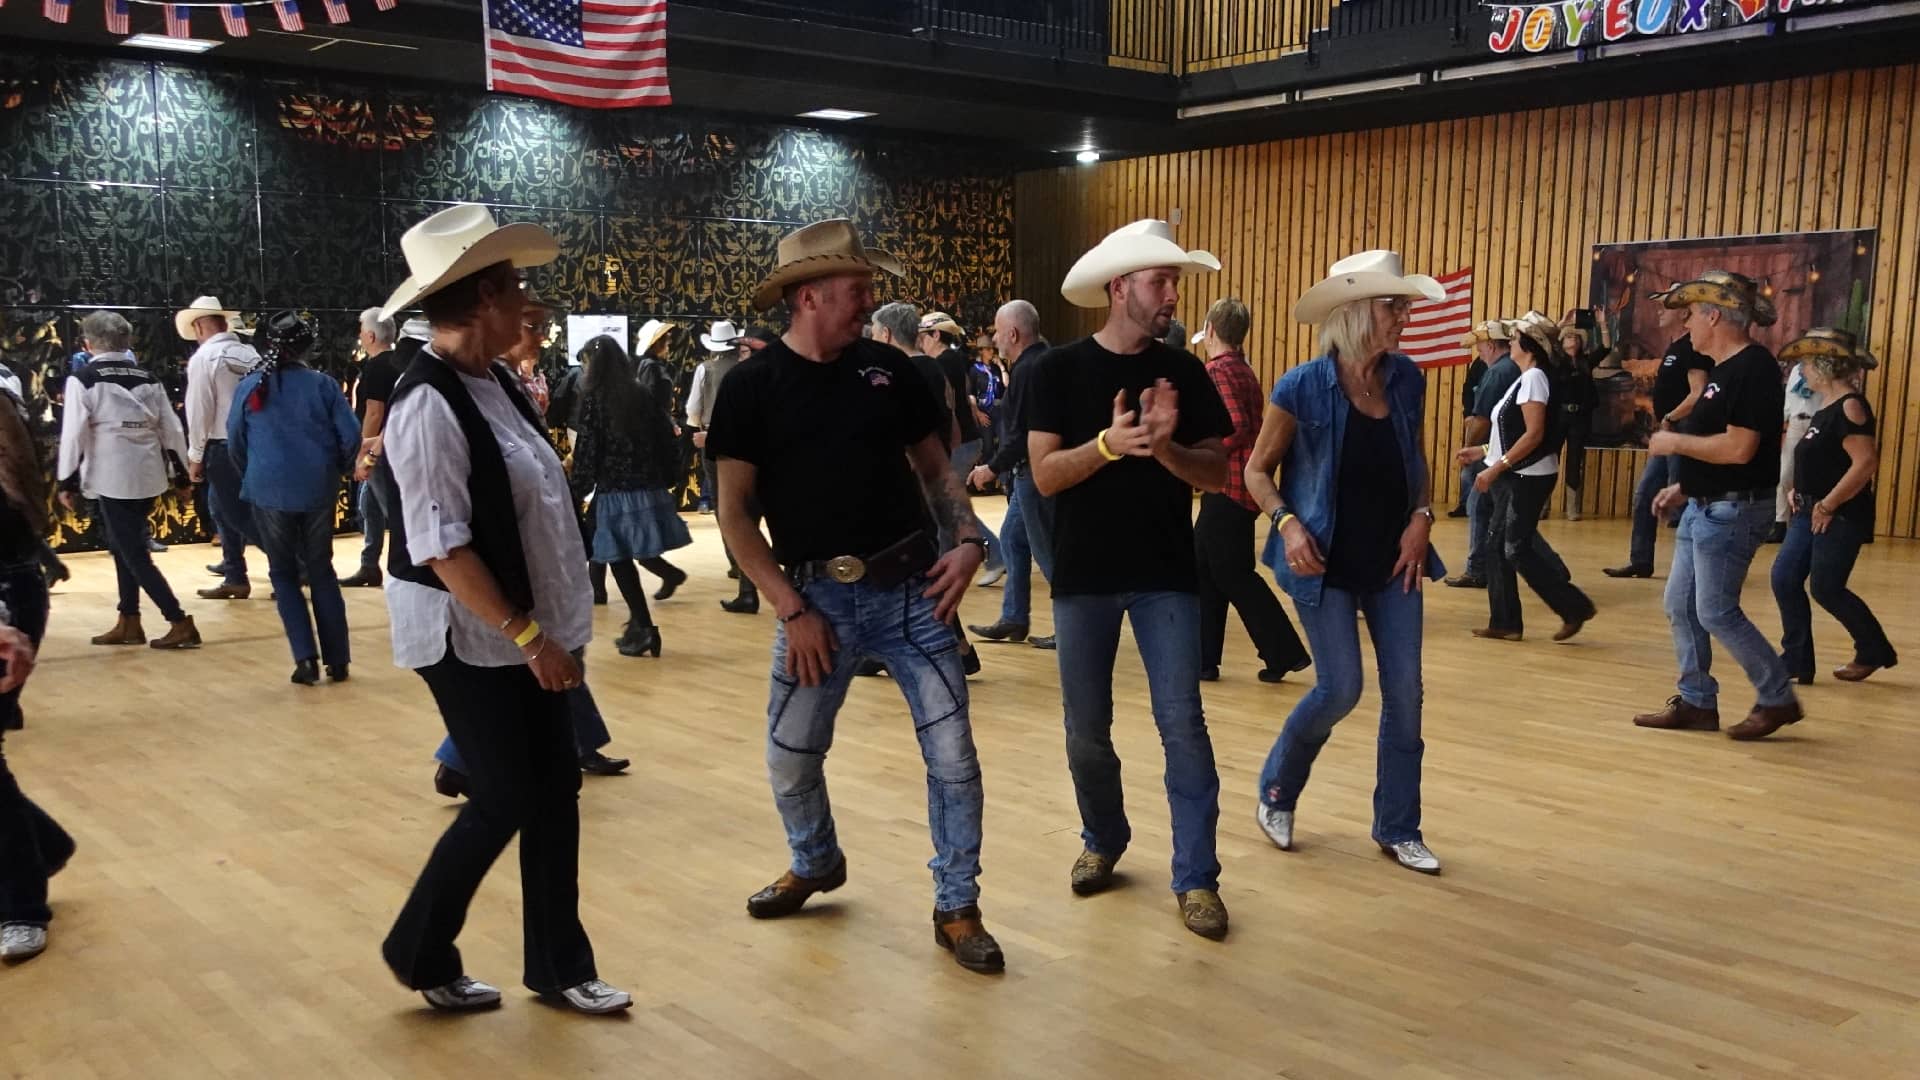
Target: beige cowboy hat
822, 249
1369, 275
201, 307
1143, 245
1539, 329
1722, 288
1491, 330
721, 337
941, 321
1828, 341
650, 334
459, 241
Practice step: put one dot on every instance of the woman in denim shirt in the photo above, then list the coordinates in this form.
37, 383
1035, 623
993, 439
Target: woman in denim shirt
1351, 533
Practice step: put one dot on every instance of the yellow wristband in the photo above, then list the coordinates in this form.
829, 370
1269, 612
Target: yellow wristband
1100, 444
1284, 518
526, 636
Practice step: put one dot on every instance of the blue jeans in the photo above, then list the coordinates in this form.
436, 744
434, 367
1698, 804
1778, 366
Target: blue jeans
124, 524
963, 459
1658, 474
1023, 535
1712, 553
589, 727
1828, 559
1166, 627
897, 627
373, 526
1333, 632
303, 539
229, 511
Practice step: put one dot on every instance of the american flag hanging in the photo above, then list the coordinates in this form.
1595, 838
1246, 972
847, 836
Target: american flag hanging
57, 10
289, 12
235, 17
117, 17
384, 5
602, 54
336, 11
1435, 327
177, 21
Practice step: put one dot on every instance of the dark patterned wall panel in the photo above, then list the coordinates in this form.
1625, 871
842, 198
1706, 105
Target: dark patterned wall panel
205, 129
329, 139
731, 259
113, 247
78, 120
499, 150
213, 240
318, 253
575, 280
652, 259
30, 243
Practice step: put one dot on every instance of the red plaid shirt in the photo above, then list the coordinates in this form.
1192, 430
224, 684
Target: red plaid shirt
1240, 389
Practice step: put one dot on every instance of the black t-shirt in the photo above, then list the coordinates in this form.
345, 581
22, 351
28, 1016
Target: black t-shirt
1370, 509
935, 379
1129, 526
1670, 385
1743, 391
1821, 459
959, 370
828, 442
377, 377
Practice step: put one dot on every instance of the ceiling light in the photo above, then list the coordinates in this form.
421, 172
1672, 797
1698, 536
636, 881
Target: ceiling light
1087, 157
1849, 18
1369, 86
836, 114
1506, 67
168, 44
1215, 108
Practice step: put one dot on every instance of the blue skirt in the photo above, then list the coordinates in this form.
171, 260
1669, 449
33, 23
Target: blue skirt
636, 525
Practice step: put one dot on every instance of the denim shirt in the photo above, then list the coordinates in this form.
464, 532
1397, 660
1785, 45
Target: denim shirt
1311, 393
293, 451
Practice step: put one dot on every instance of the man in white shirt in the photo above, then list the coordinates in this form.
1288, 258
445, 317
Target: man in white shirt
213, 373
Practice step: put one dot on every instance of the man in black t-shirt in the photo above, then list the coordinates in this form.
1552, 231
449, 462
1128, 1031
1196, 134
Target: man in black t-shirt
1677, 384
1727, 462
836, 439
1121, 428
378, 374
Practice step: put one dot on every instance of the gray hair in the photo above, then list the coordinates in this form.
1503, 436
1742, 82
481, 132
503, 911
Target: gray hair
383, 330
1348, 331
1739, 317
107, 331
901, 320
1023, 316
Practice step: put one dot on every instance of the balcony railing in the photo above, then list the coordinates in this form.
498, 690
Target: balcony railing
1079, 27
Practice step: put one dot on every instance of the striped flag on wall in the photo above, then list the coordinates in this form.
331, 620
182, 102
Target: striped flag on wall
177, 21
384, 5
57, 10
602, 54
289, 12
336, 11
235, 17
1435, 327
117, 17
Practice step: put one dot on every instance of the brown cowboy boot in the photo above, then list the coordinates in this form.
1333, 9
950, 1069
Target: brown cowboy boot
785, 896
1203, 913
180, 635
961, 933
1092, 873
126, 631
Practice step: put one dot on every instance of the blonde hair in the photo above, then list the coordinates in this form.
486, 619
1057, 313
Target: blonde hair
1348, 331
1844, 369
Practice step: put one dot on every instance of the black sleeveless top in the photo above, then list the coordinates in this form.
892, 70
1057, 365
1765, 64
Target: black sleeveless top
1370, 506
1821, 459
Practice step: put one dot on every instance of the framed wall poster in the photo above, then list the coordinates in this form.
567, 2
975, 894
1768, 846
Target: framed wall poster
1814, 279
584, 328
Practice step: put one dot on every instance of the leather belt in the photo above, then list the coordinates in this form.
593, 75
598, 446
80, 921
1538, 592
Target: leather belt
845, 569
884, 569
1749, 495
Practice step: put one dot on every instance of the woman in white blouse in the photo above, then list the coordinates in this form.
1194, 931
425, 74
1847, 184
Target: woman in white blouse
491, 607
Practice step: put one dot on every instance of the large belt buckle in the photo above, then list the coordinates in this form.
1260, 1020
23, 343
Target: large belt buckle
846, 569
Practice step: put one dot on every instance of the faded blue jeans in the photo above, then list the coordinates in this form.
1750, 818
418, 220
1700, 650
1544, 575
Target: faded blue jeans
1166, 627
1715, 547
897, 627
1333, 632
1660, 472
1027, 541
589, 727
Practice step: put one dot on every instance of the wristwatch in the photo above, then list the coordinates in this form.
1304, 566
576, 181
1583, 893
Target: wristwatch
981, 540
1427, 510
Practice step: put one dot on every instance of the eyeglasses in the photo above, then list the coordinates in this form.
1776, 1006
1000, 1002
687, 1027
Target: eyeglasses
1400, 305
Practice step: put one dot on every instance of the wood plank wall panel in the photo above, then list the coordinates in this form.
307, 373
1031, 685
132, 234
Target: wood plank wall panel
1523, 197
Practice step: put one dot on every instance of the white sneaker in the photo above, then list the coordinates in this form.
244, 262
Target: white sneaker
21, 941
1413, 855
462, 994
992, 576
596, 997
1277, 824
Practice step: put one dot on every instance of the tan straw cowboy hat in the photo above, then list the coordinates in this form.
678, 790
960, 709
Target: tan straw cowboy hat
1722, 288
1491, 330
201, 307
1539, 329
941, 321
650, 334
459, 241
822, 249
1142, 245
1828, 341
1370, 275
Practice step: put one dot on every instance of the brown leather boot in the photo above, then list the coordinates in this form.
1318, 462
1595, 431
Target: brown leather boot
1497, 635
227, 592
1092, 873
785, 896
1764, 720
961, 933
126, 631
180, 635
1853, 671
1204, 913
1680, 716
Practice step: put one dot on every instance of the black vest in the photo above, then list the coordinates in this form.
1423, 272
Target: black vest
496, 529
1513, 422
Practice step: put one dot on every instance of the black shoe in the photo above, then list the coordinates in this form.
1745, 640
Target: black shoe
450, 782
1778, 534
742, 605
870, 669
733, 573
1466, 581
1209, 674
1457, 512
970, 661
670, 585
156, 546
1040, 642
306, 672
367, 577
639, 641
217, 570
599, 764
600, 598
1001, 631
337, 672
1277, 674
1627, 571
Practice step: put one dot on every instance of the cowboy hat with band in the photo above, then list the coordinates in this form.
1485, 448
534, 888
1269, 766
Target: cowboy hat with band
823, 249
1489, 331
943, 323
649, 335
1370, 275
721, 337
1539, 329
1722, 288
1146, 244
1831, 343
201, 307
460, 241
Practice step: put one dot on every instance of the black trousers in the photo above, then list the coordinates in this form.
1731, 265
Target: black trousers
1513, 554
1573, 455
1223, 547
523, 776
33, 847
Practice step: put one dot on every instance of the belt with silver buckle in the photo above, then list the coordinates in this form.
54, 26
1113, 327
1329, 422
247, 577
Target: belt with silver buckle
844, 569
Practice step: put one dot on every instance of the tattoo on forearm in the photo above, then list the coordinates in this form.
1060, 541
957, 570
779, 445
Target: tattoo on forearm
951, 507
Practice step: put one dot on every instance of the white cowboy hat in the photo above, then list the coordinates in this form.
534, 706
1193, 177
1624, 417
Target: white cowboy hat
462, 240
650, 334
723, 336
1143, 245
1366, 276
417, 328
822, 249
201, 307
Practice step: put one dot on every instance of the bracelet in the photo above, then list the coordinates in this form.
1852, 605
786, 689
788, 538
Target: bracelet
804, 608
526, 636
538, 651
1100, 444
1282, 520
502, 628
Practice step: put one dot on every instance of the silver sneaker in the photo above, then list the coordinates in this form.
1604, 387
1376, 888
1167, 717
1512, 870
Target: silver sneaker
1413, 855
462, 994
21, 941
1277, 824
594, 996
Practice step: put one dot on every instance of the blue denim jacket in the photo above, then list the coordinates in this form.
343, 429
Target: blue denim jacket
292, 453
1308, 474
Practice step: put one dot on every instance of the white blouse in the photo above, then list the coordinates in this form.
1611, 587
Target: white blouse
1531, 386
431, 464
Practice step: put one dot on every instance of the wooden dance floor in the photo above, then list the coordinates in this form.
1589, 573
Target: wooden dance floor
1616, 903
